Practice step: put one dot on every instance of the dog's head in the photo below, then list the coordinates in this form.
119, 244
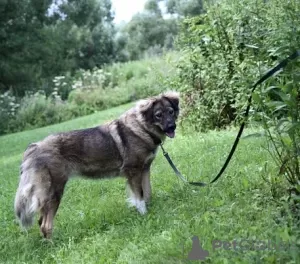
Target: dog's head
161, 112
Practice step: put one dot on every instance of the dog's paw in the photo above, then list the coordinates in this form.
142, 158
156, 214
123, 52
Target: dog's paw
141, 207
131, 202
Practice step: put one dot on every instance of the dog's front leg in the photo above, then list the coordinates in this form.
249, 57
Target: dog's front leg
146, 185
136, 199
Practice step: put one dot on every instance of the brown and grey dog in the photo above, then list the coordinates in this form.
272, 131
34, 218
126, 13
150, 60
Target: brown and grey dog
123, 147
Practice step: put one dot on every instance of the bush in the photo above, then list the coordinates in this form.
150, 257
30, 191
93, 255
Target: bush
8, 108
37, 110
226, 50
86, 93
280, 115
121, 83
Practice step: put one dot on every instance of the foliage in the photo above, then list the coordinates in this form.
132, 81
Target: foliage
185, 8
146, 31
85, 93
37, 110
278, 101
120, 83
44, 39
95, 18
225, 51
280, 115
21, 26
153, 31
8, 108
37, 44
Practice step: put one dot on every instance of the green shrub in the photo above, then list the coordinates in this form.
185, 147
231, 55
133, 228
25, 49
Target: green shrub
280, 115
62, 86
86, 93
122, 72
226, 50
37, 110
123, 83
8, 109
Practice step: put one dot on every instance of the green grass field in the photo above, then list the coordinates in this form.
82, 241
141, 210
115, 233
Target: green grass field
95, 225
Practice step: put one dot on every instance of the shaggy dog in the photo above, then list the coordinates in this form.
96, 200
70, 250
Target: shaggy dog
124, 147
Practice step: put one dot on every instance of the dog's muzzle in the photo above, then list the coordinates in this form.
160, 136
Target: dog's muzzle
170, 131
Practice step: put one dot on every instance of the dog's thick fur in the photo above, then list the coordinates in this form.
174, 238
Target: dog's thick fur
123, 147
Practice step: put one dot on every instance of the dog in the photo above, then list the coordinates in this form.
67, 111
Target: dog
123, 147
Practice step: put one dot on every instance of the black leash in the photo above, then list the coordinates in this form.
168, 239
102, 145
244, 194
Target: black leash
270, 73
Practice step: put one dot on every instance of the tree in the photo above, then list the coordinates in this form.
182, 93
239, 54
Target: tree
152, 6
184, 8
21, 23
37, 44
94, 19
146, 30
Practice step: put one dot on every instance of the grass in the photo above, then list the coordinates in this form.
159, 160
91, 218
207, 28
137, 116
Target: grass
95, 225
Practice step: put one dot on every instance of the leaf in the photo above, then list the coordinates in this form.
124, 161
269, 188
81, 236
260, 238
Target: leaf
255, 135
251, 46
280, 107
293, 127
270, 88
256, 98
281, 122
275, 104
282, 95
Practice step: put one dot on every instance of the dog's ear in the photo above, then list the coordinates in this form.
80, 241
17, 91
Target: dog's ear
145, 104
145, 107
173, 98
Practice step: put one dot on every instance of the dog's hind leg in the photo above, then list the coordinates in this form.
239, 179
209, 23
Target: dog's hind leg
47, 219
40, 221
48, 213
136, 192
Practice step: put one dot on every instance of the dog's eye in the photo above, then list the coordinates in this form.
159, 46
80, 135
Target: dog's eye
171, 112
158, 115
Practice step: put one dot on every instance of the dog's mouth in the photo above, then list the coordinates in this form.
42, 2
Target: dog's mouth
170, 132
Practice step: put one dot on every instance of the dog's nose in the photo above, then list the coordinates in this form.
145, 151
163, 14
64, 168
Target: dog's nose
172, 127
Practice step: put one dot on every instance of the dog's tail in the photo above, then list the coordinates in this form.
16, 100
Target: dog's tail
30, 196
